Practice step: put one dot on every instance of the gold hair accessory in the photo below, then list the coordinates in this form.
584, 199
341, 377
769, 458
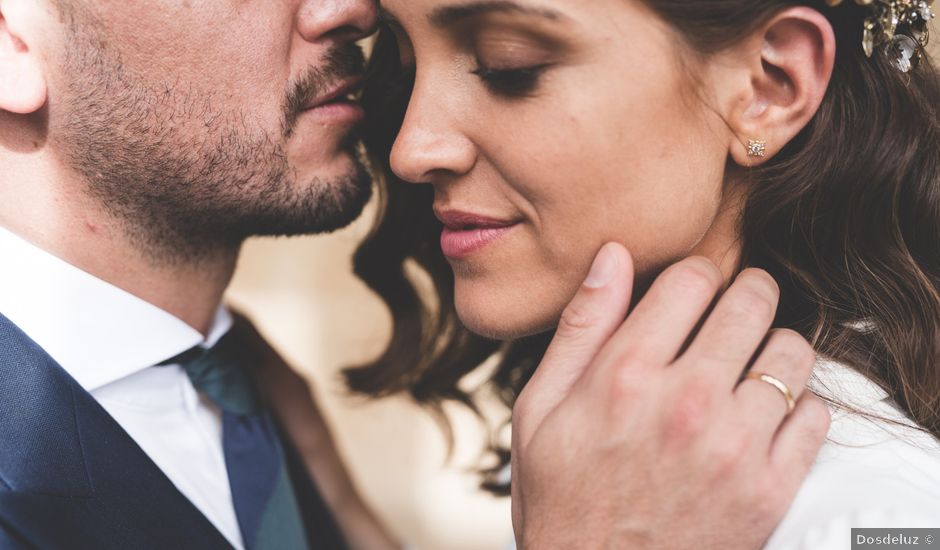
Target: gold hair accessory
899, 26
756, 148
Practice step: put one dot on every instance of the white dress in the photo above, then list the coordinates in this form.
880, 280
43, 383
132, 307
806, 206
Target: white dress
869, 473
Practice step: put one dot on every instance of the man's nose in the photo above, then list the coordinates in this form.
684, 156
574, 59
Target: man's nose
338, 20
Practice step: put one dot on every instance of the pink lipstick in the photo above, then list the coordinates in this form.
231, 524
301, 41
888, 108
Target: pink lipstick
465, 234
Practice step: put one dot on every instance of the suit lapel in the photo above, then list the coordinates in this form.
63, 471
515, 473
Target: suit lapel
69, 474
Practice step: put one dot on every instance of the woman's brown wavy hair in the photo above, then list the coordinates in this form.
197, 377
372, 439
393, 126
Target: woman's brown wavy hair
846, 218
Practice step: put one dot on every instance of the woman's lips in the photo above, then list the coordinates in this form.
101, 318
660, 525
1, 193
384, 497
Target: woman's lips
464, 234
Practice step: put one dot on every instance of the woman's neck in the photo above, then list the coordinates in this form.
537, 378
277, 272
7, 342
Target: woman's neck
722, 242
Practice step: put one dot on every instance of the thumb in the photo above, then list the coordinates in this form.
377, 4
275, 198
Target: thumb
593, 315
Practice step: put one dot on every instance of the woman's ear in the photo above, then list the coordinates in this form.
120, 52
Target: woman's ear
773, 83
22, 81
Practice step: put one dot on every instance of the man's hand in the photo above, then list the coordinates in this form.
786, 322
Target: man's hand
631, 435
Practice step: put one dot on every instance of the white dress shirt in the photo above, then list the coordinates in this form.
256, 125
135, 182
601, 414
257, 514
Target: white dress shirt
109, 341
869, 473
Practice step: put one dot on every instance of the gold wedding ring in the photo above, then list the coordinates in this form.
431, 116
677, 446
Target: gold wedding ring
787, 394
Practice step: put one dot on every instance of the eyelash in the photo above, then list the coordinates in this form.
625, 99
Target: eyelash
510, 83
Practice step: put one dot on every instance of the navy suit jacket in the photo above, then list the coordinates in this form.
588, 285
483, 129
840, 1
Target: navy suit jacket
71, 477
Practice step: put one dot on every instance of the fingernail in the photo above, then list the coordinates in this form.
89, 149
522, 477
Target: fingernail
603, 270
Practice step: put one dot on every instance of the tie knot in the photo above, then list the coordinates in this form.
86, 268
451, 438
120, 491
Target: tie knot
223, 372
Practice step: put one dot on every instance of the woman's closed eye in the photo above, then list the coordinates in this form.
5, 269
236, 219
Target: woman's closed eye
511, 83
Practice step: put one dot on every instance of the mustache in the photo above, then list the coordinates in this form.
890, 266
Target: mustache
340, 63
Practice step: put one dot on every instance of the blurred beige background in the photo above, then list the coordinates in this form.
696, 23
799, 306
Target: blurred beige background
306, 301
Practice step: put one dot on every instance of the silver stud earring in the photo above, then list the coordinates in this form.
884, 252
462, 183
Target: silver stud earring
756, 148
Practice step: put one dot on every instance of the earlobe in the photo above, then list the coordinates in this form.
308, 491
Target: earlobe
22, 82
22, 85
789, 73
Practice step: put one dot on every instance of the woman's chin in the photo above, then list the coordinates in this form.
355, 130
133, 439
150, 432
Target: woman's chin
505, 323
512, 306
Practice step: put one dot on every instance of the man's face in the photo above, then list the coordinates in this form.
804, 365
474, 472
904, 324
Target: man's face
201, 122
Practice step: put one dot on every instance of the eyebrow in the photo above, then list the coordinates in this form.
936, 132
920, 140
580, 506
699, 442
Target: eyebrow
448, 16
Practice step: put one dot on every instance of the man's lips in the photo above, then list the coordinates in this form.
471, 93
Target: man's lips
465, 233
343, 90
338, 104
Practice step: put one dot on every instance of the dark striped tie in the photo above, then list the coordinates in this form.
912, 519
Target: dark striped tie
265, 504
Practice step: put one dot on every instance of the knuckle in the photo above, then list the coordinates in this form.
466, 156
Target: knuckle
624, 385
762, 282
791, 348
575, 320
790, 338
729, 454
698, 386
691, 412
694, 275
684, 422
749, 305
629, 359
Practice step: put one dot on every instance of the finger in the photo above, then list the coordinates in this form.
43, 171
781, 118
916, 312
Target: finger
787, 357
595, 312
660, 324
797, 442
735, 328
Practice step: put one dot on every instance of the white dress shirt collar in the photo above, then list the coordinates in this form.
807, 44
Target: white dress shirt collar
97, 332
846, 386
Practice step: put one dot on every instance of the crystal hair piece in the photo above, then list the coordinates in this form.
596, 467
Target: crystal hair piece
900, 27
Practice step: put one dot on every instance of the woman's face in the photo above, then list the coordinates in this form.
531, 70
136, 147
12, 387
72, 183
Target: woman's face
548, 128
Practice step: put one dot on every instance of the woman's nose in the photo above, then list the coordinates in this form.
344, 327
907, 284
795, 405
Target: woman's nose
431, 145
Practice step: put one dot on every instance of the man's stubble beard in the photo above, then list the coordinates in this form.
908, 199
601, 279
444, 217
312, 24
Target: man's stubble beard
186, 179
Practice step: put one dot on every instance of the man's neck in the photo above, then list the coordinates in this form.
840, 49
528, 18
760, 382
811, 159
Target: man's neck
81, 233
